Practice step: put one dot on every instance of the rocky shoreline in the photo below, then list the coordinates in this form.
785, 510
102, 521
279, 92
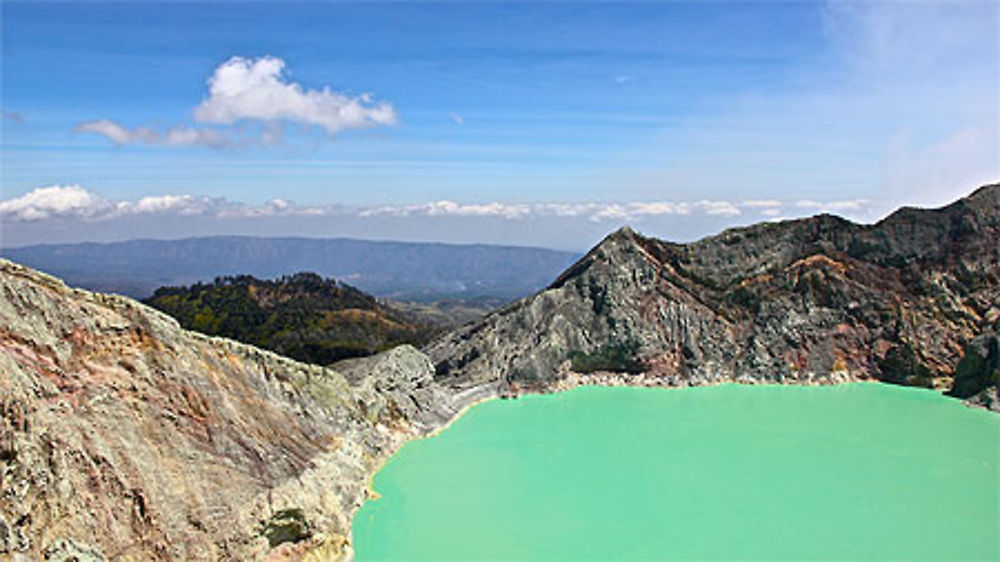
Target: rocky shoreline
573, 380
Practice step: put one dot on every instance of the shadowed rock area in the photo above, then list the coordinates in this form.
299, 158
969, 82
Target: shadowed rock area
123, 436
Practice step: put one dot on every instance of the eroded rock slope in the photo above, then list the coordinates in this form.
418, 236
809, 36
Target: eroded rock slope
124, 437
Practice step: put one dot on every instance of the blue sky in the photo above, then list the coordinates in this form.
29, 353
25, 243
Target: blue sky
503, 111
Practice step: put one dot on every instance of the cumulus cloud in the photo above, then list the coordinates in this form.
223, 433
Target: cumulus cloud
181, 204
55, 201
249, 101
256, 89
75, 202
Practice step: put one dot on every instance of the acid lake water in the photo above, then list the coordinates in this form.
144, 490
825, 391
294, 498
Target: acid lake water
852, 472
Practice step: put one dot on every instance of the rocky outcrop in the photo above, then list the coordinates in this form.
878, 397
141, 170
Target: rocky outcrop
124, 437
978, 373
811, 300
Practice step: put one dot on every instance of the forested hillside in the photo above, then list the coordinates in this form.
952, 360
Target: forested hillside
302, 316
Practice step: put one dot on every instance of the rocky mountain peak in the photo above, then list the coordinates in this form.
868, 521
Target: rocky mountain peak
986, 195
625, 232
622, 245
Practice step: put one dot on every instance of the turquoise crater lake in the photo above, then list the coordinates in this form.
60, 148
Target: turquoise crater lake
858, 471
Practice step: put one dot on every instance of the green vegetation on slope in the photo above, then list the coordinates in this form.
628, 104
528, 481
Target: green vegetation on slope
303, 316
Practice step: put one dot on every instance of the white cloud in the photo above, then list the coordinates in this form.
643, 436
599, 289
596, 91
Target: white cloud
256, 90
610, 212
248, 103
760, 203
570, 209
719, 208
458, 119
182, 135
451, 208
596, 212
183, 204
53, 201
76, 202
176, 136
832, 206
660, 208
113, 131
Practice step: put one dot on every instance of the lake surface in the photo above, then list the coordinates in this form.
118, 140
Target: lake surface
858, 471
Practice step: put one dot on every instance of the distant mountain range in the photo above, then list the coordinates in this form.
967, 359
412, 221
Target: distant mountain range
401, 270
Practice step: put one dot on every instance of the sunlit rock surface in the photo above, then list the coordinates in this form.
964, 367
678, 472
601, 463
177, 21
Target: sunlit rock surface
123, 436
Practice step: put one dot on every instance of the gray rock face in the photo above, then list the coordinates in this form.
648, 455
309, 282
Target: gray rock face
796, 301
978, 373
398, 387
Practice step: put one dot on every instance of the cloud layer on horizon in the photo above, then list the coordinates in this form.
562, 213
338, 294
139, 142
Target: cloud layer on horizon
73, 202
253, 92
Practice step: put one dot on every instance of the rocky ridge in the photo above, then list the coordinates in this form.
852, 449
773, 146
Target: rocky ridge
123, 436
801, 301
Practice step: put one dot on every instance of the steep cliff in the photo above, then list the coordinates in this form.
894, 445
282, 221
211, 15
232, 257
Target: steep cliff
811, 300
123, 436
